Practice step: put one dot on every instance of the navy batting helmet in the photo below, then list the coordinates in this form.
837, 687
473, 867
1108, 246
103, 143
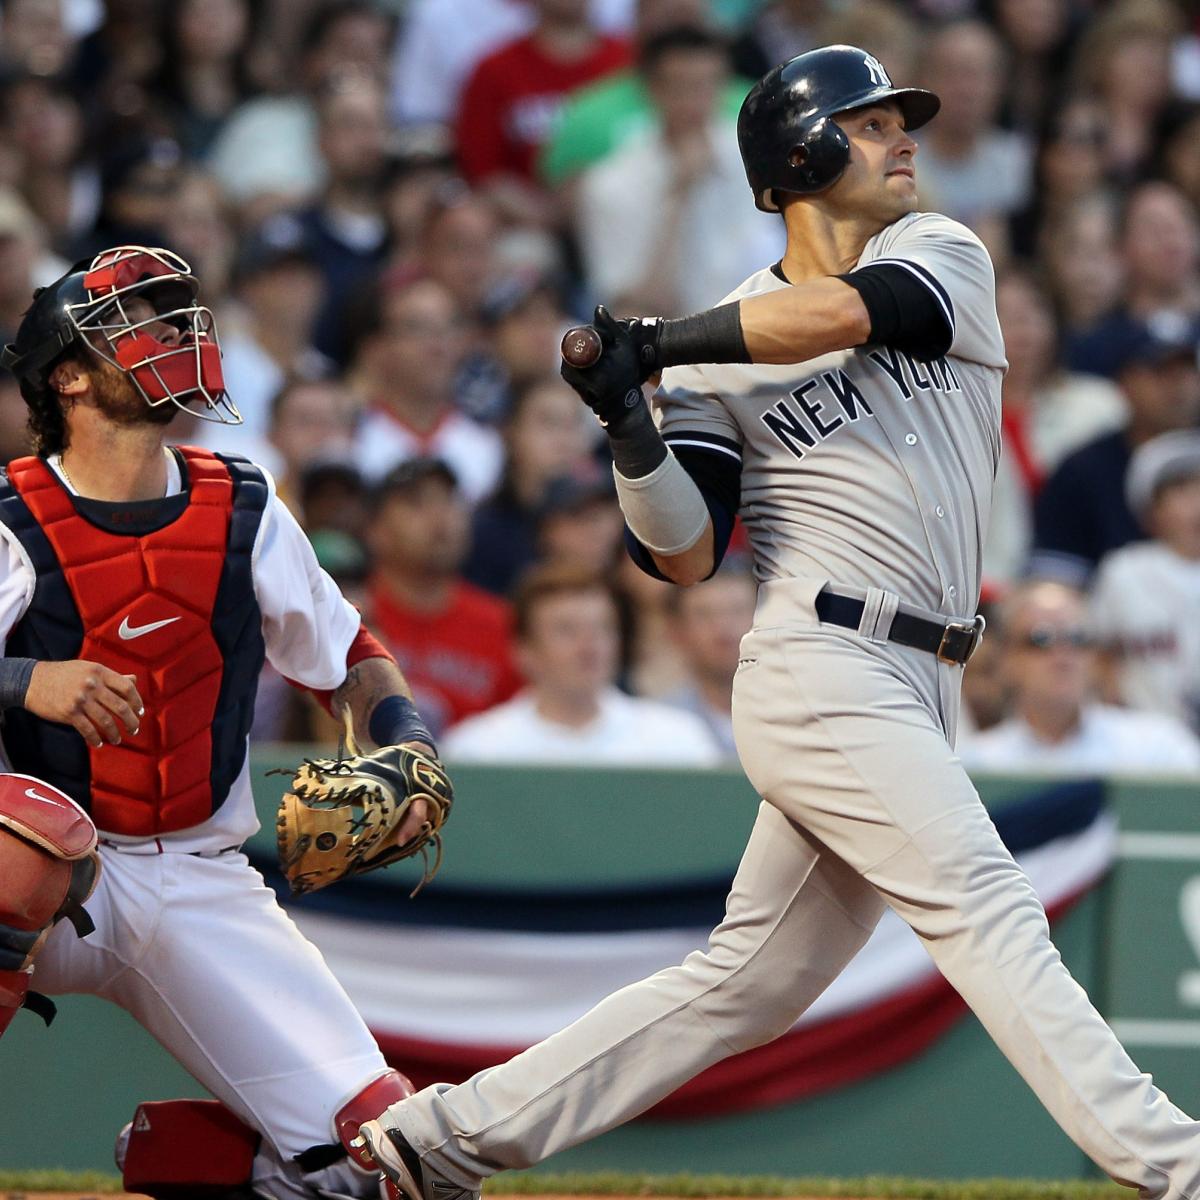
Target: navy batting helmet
786, 131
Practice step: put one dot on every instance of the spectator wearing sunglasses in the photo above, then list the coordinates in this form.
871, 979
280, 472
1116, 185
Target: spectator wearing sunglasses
1057, 725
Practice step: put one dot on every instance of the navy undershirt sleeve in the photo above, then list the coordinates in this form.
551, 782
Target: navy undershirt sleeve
909, 309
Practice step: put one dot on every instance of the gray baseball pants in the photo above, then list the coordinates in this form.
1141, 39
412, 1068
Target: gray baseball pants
865, 804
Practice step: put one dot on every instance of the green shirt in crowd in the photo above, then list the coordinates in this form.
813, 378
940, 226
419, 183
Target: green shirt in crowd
600, 117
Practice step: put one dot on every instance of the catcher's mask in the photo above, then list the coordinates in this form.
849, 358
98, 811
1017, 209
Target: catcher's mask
90, 306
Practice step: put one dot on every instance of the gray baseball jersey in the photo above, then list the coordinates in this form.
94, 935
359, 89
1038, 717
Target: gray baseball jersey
865, 467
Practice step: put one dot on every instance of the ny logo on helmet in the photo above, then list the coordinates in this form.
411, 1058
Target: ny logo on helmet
875, 69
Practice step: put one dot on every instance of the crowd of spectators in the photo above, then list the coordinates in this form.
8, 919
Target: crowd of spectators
397, 206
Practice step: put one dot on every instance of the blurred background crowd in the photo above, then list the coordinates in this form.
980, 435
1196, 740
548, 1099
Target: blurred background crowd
396, 207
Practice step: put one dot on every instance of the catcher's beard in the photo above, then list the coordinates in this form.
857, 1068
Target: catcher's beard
115, 396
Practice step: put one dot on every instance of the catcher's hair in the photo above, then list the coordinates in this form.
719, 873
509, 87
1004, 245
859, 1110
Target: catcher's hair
47, 424
550, 580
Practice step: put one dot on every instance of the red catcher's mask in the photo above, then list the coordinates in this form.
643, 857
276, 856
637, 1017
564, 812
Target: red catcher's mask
171, 352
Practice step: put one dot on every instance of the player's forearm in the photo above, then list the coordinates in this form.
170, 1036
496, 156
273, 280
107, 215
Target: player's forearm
380, 703
694, 564
797, 323
789, 325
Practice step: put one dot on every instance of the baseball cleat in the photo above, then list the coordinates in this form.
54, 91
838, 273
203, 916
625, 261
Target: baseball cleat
403, 1167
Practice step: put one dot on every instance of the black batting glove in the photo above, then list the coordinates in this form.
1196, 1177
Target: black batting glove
612, 387
646, 332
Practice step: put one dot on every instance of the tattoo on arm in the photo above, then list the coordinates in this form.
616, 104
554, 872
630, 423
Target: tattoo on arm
366, 684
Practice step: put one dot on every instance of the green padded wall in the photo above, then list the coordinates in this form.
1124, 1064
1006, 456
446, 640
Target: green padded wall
1135, 944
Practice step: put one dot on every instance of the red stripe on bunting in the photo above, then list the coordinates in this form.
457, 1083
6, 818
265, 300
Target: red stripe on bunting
803, 1062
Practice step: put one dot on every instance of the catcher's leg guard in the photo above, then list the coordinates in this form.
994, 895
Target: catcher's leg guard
48, 868
14, 987
187, 1150
380, 1093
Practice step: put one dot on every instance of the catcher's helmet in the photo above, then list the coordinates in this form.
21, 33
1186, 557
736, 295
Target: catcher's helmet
89, 307
786, 131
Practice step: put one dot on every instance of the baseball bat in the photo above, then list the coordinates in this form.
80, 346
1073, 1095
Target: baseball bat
581, 346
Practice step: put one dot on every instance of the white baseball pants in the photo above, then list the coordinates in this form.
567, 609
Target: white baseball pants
200, 953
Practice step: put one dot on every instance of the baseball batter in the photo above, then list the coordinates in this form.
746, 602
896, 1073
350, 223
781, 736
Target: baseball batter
141, 588
852, 417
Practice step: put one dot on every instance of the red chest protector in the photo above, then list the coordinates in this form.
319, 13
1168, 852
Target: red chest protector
147, 606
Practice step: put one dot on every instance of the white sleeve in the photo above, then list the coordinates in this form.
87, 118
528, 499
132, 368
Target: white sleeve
307, 623
17, 581
955, 266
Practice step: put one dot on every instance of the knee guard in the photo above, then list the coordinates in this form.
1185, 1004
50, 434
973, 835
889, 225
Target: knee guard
187, 1150
366, 1105
48, 868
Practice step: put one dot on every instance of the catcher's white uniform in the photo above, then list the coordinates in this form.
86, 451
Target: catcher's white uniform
192, 943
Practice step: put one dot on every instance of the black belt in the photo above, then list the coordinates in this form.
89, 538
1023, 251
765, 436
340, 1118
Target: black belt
952, 641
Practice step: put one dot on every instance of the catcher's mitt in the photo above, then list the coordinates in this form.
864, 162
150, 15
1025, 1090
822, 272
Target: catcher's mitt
342, 815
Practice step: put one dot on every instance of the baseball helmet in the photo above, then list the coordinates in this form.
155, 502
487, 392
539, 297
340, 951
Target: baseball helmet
89, 306
786, 128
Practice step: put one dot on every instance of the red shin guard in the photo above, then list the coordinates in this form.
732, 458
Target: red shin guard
181, 1149
379, 1094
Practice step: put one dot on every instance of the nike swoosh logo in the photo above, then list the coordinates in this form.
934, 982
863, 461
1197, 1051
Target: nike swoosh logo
128, 632
44, 799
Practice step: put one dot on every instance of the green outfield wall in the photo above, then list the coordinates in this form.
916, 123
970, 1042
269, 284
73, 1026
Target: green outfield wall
958, 1110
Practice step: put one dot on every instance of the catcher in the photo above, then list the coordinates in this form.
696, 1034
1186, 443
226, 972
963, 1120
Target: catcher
142, 587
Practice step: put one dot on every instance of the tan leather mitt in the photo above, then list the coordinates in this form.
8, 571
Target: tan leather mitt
342, 816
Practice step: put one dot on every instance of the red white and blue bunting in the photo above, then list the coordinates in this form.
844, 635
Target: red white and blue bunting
461, 980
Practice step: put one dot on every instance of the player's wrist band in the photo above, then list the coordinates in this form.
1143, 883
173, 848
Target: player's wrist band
15, 674
394, 720
637, 446
714, 336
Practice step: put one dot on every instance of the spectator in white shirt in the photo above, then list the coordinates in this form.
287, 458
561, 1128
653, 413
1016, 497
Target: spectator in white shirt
666, 222
972, 169
1146, 597
438, 47
568, 643
1056, 725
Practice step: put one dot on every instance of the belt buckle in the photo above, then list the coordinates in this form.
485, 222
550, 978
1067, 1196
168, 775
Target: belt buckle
960, 640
